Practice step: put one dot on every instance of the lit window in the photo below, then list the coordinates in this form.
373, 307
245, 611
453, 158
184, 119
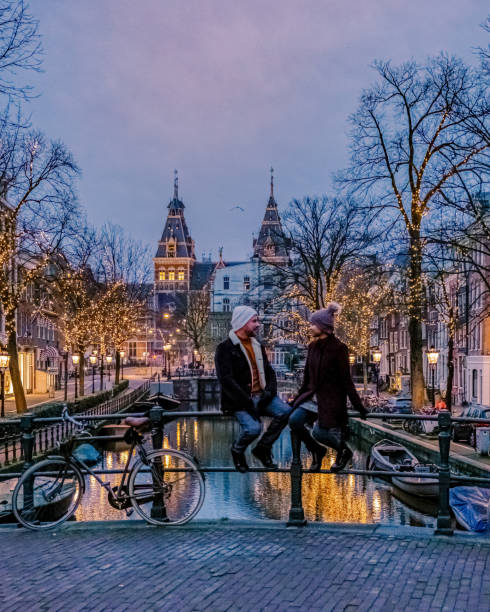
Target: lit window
181, 275
171, 276
162, 276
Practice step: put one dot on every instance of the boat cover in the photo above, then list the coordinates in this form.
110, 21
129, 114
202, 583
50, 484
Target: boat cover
87, 453
471, 506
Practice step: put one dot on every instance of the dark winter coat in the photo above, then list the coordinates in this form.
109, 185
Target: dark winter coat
235, 378
327, 375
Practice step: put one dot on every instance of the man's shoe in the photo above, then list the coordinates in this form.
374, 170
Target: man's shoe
342, 460
239, 461
316, 462
264, 455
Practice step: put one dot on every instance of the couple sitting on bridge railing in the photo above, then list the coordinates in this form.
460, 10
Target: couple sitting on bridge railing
249, 391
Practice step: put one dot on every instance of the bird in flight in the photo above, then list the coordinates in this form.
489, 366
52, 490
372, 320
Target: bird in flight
239, 208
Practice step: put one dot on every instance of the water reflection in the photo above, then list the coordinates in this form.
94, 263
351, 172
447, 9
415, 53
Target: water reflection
340, 498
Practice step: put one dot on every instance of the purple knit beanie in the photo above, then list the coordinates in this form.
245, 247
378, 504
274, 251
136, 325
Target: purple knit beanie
324, 319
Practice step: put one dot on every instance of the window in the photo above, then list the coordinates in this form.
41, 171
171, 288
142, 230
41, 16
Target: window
226, 305
171, 250
181, 275
132, 349
161, 275
474, 384
246, 283
226, 283
171, 275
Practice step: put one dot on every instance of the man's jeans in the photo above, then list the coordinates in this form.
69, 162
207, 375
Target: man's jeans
250, 427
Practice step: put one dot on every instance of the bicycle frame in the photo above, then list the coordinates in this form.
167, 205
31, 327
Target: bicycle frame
85, 469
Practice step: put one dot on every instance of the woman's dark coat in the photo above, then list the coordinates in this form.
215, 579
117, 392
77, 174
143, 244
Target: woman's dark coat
235, 378
327, 375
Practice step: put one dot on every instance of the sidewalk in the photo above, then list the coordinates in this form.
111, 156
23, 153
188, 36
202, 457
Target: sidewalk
134, 375
255, 566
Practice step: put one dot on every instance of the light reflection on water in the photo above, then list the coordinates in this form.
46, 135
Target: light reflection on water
340, 498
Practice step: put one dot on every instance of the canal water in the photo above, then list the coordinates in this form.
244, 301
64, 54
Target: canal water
332, 498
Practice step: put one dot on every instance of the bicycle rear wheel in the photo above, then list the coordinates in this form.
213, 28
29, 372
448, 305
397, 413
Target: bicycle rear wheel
167, 491
47, 494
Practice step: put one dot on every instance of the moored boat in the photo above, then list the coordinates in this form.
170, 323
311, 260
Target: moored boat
471, 507
390, 456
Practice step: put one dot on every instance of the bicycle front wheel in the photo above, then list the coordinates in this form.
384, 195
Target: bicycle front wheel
47, 494
169, 490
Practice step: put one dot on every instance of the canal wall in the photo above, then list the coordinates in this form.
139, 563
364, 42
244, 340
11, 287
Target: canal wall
427, 451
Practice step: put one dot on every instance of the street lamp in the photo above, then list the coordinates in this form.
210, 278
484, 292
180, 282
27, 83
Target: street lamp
121, 355
4, 364
93, 361
109, 361
432, 357
376, 353
76, 360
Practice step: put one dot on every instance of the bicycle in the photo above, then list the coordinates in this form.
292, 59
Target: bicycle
165, 487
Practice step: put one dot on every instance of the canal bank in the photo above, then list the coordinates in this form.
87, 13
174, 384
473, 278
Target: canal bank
462, 459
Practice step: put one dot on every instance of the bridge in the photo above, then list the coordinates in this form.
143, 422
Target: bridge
267, 565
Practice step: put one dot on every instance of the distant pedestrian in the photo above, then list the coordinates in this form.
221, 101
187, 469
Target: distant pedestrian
322, 398
249, 389
440, 404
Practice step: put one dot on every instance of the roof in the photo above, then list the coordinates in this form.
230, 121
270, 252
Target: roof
201, 274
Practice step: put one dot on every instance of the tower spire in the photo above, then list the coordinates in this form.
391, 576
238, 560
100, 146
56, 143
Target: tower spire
272, 182
176, 185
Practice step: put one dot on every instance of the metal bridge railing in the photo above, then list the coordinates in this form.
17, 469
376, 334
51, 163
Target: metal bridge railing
158, 417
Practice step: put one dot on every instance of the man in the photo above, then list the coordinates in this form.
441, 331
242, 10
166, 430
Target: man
249, 389
323, 395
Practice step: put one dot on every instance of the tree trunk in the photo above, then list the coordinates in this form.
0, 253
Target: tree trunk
20, 398
415, 297
81, 372
118, 368
365, 373
450, 363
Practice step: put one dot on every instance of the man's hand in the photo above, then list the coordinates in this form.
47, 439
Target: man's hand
362, 412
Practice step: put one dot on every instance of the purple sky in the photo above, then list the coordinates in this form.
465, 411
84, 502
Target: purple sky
221, 90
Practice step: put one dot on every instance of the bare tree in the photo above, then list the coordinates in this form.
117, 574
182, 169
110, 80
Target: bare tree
195, 315
20, 48
37, 209
323, 236
419, 134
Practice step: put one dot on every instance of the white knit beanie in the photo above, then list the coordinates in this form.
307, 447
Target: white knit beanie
241, 316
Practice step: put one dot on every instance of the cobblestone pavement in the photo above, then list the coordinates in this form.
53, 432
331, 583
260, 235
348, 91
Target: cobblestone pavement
242, 568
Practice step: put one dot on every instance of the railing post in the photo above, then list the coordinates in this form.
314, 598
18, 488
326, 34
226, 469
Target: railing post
27, 441
296, 512
156, 414
444, 526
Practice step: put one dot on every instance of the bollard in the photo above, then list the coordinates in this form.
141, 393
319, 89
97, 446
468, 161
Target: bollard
444, 526
156, 418
296, 512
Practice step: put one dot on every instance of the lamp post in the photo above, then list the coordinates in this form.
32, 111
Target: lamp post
4, 364
93, 361
376, 353
352, 360
432, 357
167, 348
121, 355
109, 361
76, 360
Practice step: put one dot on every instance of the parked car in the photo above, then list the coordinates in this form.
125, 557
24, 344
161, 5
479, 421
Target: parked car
401, 404
467, 431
